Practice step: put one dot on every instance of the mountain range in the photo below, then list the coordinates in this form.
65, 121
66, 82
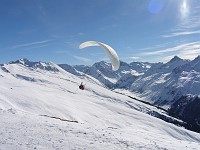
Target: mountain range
42, 107
161, 84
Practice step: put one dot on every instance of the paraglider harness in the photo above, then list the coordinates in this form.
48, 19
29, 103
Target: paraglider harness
82, 87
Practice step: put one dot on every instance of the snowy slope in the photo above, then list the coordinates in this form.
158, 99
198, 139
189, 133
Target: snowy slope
41, 107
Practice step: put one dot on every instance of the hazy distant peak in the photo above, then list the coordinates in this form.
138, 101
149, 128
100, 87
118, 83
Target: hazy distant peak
197, 58
175, 59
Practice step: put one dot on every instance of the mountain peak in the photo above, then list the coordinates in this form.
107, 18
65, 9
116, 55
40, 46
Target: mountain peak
175, 59
197, 58
49, 66
22, 61
102, 64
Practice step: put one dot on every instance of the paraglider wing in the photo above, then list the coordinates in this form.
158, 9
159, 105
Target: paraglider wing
88, 43
109, 51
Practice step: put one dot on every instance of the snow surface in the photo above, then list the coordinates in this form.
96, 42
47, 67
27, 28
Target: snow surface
44, 109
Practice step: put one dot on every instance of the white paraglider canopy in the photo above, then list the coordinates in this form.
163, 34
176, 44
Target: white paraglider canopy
109, 51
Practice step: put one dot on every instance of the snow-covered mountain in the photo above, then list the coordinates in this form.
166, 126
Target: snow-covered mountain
160, 84
41, 107
168, 84
165, 83
36, 65
102, 71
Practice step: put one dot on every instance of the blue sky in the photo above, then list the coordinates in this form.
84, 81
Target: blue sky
139, 30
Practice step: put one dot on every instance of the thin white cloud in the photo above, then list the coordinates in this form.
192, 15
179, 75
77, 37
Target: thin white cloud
190, 54
181, 33
82, 59
30, 44
154, 47
185, 54
131, 59
187, 46
37, 46
185, 51
135, 58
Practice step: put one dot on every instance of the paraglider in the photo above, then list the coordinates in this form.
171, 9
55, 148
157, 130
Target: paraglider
82, 87
109, 51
